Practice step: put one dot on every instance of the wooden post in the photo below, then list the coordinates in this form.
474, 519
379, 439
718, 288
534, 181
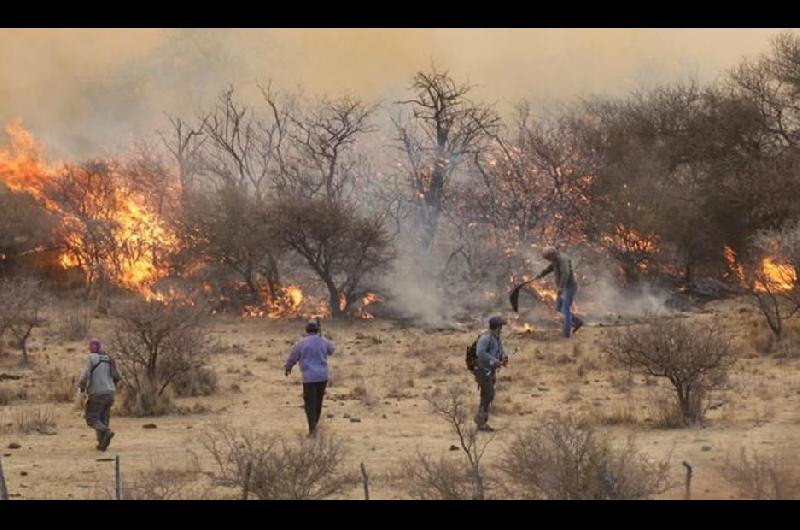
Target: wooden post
117, 481
3, 489
246, 486
688, 493
366, 481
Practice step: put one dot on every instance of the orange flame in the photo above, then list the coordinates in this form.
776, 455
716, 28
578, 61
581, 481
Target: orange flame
137, 231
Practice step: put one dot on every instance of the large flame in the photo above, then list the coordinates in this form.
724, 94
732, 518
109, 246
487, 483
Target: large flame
775, 276
138, 233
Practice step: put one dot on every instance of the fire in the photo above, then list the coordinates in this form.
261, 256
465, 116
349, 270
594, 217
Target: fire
775, 276
735, 269
137, 233
368, 299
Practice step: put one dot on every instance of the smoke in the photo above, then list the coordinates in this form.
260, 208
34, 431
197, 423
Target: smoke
606, 299
85, 91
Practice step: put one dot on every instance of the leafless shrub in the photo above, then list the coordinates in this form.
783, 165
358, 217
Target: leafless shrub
21, 304
564, 459
695, 359
305, 469
774, 477
35, 419
158, 343
428, 478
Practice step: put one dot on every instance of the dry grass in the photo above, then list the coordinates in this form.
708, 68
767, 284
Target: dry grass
772, 477
622, 413
74, 324
61, 388
27, 420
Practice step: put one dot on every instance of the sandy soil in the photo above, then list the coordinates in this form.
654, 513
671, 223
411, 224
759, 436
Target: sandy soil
380, 375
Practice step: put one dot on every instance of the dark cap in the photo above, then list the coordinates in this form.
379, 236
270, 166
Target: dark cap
496, 322
312, 325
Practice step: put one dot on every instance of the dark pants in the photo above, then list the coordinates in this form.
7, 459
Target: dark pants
98, 413
312, 397
564, 306
486, 383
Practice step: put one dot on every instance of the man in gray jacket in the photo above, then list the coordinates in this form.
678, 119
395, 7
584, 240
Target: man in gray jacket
98, 382
491, 356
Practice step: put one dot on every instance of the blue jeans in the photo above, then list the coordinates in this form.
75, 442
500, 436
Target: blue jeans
564, 306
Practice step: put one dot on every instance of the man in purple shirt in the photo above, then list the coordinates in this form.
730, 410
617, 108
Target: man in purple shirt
312, 353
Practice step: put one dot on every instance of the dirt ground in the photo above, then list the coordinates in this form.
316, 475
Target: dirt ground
376, 402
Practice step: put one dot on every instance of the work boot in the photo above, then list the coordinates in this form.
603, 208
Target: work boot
485, 428
576, 327
106, 440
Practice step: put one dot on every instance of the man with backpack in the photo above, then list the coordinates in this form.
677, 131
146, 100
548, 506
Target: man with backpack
561, 265
484, 357
98, 381
312, 353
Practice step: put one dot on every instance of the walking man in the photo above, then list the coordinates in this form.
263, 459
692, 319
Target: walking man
98, 381
312, 353
491, 356
561, 265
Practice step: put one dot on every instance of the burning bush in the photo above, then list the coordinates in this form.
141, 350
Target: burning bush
340, 245
773, 279
566, 460
695, 359
158, 343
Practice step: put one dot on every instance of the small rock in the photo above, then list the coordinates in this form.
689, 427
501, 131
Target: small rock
355, 420
346, 415
331, 416
706, 448
6, 454
23, 473
149, 426
453, 448
383, 416
14, 445
188, 426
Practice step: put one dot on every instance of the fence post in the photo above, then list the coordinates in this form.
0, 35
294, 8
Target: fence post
688, 494
246, 486
117, 481
3, 489
366, 481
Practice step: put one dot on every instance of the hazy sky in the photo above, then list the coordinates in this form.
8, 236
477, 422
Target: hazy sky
80, 91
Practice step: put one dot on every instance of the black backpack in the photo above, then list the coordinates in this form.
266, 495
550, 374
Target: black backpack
472, 355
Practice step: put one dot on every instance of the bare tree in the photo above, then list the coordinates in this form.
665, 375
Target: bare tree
694, 359
341, 246
319, 158
444, 131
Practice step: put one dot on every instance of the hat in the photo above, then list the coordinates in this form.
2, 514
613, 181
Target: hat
496, 322
312, 325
